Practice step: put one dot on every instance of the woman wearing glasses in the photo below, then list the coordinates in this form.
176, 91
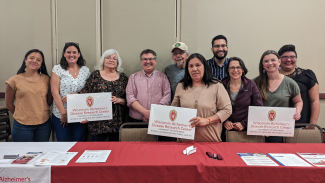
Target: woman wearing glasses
108, 78
242, 92
68, 77
307, 82
276, 89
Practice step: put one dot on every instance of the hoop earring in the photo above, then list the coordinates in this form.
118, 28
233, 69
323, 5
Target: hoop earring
263, 71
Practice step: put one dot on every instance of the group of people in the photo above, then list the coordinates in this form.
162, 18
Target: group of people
217, 88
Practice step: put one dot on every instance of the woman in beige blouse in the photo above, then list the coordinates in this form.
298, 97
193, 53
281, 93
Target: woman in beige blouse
199, 90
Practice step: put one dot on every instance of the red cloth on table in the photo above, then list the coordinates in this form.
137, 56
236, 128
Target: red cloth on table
165, 162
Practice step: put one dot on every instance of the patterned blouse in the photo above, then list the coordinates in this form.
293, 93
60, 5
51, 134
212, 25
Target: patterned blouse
68, 84
96, 84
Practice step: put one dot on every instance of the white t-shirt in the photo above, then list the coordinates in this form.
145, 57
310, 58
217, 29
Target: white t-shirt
68, 84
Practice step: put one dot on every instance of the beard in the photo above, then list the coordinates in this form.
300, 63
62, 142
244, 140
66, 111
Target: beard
180, 63
220, 58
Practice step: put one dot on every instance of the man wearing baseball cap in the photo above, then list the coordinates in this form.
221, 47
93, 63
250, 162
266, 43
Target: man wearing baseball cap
175, 72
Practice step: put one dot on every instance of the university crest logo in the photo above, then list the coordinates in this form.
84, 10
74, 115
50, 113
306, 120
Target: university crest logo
173, 115
272, 115
90, 101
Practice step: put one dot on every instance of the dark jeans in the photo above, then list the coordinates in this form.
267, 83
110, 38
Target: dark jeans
31, 133
103, 137
73, 132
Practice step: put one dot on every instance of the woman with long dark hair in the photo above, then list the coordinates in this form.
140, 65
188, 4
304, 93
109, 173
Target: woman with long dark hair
31, 89
276, 89
199, 90
68, 77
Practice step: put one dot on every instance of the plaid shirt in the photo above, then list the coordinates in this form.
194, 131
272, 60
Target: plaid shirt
217, 71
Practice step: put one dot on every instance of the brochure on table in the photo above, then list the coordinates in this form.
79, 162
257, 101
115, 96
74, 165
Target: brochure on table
316, 159
90, 106
288, 159
257, 159
94, 156
27, 158
171, 121
56, 158
271, 121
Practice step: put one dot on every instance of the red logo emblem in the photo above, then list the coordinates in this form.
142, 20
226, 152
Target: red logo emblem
90, 101
272, 115
173, 115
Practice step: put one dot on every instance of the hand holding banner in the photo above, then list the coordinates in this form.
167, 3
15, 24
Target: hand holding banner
171, 121
90, 106
271, 121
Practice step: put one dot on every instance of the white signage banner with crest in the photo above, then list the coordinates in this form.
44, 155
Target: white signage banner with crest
171, 121
90, 106
271, 121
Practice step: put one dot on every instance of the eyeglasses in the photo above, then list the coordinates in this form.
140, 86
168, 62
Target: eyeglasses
180, 53
287, 57
71, 43
148, 59
233, 68
218, 46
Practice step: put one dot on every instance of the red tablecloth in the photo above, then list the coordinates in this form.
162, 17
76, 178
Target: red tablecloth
165, 162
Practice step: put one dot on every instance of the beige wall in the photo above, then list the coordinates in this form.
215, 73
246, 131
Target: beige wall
76, 22
24, 25
132, 26
255, 26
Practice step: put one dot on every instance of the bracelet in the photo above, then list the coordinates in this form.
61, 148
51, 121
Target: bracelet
209, 121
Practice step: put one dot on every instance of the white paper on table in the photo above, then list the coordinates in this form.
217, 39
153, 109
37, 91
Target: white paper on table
171, 121
56, 158
257, 159
271, 121
316, 159
90, 106
94, 156
288, 159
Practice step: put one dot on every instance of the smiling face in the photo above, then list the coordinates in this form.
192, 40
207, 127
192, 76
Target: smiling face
179, 57
196, 69
148, 62
71, 54
235, 70
220, 49
110, 61
34, 61
271, 63
288, 61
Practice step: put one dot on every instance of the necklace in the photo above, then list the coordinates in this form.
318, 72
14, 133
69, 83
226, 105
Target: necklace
196, 103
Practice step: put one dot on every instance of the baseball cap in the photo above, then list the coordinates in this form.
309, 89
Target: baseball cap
180, 45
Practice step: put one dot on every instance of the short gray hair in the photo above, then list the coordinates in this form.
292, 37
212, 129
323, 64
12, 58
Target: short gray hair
109, 52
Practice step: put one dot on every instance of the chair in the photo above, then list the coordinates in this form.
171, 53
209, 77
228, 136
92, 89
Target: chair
5, 130
305, 135
241, 136
136, 131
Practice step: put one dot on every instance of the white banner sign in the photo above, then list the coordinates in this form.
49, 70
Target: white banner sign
171, 121
90, 106
25, 174
271, 121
